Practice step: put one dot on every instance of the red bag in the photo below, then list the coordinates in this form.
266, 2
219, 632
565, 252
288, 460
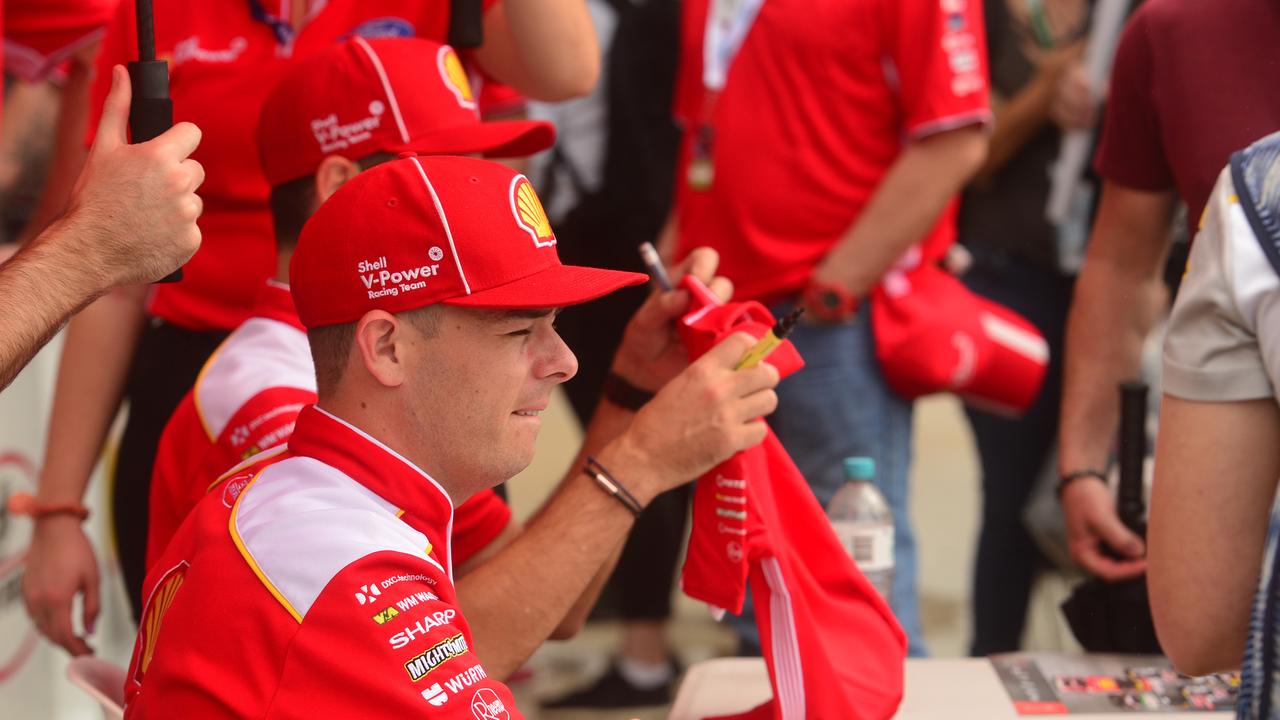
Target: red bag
933, 334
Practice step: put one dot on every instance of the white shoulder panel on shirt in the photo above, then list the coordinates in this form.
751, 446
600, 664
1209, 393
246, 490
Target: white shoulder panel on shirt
301, 522
258, 355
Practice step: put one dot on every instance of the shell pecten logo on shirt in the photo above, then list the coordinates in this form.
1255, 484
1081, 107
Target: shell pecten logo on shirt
529, 213
153, 616
454, 76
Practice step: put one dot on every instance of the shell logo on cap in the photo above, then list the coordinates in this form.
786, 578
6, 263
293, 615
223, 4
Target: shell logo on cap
455, 76
529, 214
157, 605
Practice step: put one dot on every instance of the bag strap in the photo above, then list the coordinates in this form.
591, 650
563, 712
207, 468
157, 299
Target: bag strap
1255, 173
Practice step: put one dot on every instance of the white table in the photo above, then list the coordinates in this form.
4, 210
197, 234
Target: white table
951, 689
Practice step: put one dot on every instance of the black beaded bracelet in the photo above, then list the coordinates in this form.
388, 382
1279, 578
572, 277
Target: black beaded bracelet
1071, 477
623, 394
606, 480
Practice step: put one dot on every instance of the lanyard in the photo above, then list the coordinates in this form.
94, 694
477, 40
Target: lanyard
728, 22
281, 27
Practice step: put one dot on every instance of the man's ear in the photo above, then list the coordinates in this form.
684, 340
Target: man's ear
333, 173
379, 346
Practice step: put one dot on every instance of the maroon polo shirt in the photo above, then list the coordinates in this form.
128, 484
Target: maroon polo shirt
1193, 82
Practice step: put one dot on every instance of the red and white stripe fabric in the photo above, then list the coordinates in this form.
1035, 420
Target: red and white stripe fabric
833, 647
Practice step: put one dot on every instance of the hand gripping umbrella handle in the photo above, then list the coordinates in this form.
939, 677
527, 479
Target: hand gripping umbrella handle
151, 111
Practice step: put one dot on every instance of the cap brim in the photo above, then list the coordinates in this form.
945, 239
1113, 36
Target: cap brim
556, 286
501, 139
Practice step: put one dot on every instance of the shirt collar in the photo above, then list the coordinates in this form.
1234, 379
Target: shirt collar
275, 302
423, 503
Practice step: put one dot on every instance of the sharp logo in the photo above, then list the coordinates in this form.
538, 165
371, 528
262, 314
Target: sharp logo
435, 695
416, 598
435, 656
367, 593
375, 273
529, 214
386, 616
422, 627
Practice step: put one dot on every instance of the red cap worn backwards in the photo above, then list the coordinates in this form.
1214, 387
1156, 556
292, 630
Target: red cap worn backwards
423, 230
382, 95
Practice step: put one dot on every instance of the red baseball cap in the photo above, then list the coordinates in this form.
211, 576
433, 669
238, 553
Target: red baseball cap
423, 230
383, 95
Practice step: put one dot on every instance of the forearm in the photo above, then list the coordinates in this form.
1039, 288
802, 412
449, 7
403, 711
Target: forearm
546, 49
91, 377
40, 288
1216, 470
1015, 122
515, 600
1116, 301
907, 203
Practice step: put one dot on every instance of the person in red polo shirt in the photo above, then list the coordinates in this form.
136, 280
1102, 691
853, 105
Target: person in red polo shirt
224, 56
429, 287
822, 144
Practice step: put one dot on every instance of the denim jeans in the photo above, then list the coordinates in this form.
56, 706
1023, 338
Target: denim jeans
839, 406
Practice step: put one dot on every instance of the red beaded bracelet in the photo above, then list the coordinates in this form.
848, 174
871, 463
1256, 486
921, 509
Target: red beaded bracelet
25, 504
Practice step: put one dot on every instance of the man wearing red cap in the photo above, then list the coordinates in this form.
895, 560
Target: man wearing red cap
249, 394
350, 106
428, 287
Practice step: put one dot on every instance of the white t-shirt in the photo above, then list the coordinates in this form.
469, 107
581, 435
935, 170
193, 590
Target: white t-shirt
1223, 342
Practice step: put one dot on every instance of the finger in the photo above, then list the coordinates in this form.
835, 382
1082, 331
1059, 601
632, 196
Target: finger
751, 434
180, 140
113, 126
1107, 568
757, 404
1118, 537
91, 603
701, 263
722, 287
755, 379
195, 171
728, 351
58, 626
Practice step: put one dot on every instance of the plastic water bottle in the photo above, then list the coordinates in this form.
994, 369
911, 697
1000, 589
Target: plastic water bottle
864, 524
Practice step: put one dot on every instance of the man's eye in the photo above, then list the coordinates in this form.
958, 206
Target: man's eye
520, 333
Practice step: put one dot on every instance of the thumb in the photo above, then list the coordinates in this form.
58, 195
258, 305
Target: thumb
1120, 538
113, 127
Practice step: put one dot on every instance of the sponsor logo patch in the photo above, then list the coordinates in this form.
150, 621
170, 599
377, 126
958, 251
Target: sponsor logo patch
435, 695
435, 656
422, 626
529, 214
387, 615
466, 679
486, 705
455, 77
381, 282
384, 27
162, 597
367, 593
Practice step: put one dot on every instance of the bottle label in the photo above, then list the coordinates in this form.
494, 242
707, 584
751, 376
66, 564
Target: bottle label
871, 547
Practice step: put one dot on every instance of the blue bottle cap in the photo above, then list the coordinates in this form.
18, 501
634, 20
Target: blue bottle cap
859, 468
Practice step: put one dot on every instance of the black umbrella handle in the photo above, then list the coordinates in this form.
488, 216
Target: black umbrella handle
1130, 500
151, 110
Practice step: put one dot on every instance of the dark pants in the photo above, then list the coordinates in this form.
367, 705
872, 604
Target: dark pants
164, 368
1013, 453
